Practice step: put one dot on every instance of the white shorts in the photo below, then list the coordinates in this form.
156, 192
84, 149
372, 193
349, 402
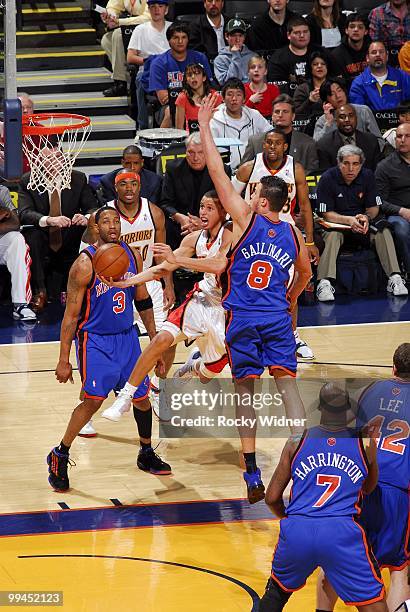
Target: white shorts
154, 288
199, 319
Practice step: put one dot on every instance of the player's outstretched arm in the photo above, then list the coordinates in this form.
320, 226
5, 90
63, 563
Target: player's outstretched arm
303, 271
234, 205
78, 279
280, 480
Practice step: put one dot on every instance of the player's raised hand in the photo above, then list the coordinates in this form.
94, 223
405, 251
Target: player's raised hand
160, 249
207, 108
64, 372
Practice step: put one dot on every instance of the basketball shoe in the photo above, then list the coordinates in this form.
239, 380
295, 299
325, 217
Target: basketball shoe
149, 461
58, 463
121, 405
255, 486
187, 370
88, 430
303, 351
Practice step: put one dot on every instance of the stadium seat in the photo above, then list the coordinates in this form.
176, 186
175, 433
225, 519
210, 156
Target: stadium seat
186, 18
245, 8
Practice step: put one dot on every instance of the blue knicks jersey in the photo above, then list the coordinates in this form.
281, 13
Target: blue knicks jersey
259, 267
328, 470
107, 310
385, 405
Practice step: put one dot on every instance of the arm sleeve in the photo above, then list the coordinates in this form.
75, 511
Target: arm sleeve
321, 128
383, 189
374, 26
325, 195
226, 68
135, 19
301, 99
27, 214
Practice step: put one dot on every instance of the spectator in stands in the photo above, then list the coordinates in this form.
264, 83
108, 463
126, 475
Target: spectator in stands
234, 120
207, 31
346, 132
269, 31
390, 23
147, 40
349, 59
232, 61
380, 86
112, 42
14, 254
186, 180
300, 146
167, 69
289, 64
326, 23
393, 185
260, 94
306, 97
196, 87
347, 195
404, 57
403, 113
132, 160
58, 223
333, 94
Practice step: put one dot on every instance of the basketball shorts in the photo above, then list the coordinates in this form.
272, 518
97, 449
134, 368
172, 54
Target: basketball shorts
385, 517
256, 343
154, 288
337, 545
199, 319
106, 362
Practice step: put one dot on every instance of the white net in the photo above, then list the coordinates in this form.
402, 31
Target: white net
51, 156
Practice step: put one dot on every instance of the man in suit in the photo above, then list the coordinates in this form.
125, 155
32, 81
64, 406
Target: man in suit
300, 146
347, 133
207, 31
59, 221
133, 161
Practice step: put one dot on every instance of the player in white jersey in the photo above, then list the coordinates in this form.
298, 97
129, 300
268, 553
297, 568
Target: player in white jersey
274, 161
201, 316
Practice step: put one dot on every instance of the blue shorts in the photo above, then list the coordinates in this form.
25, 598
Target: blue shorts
385, 517
256, 343
105, 363
337, 545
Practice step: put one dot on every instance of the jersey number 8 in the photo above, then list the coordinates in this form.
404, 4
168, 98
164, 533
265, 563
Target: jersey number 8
259, 275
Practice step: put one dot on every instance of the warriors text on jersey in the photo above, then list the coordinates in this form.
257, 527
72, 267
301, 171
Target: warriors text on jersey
209, 284
259, 267
328, 470
139, 231
286, 172
107, 310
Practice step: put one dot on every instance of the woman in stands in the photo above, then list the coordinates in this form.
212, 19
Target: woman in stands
195, 88
307, 96
326, 23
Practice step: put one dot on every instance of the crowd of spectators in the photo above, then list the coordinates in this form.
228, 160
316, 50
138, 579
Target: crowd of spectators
336, 85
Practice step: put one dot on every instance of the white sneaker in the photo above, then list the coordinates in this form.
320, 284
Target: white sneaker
396, 286
303, 351
186, 371
88, 430
23, 312
325, 291
121, 405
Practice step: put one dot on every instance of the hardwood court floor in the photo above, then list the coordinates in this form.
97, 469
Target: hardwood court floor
35, 410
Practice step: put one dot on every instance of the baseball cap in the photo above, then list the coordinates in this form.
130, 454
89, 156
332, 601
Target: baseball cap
158, 2
236, 25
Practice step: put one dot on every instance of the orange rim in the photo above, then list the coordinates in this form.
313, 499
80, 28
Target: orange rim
78, 122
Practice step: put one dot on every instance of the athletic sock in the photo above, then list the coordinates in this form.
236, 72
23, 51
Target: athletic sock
250, 462
130, 389
63, 448
145, 446
143, 419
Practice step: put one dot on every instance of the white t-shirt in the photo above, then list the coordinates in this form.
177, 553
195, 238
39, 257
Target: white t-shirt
149, 41
331, 37
380, 79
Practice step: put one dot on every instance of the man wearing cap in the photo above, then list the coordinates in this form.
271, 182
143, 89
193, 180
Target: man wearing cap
232, 61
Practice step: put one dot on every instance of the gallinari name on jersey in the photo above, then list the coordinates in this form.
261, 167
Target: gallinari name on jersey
336, 460
269, 250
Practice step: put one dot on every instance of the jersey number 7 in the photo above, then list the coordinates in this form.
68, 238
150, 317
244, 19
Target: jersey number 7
332, 483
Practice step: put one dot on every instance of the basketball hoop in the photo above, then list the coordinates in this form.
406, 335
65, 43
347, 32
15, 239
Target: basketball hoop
52, 142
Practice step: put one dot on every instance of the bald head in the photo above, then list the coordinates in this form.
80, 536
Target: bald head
403, 140
346, 119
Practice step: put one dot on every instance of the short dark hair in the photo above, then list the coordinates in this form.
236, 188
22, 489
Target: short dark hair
401, 360
103, 209
233, 83
275, 190
212, 195
283, 99
131, 150
357, 17
326, 88
296, 21
275, 131
177, 26
404, 107
317, 55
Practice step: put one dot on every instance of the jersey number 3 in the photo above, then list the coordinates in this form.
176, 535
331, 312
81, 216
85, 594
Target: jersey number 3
119, 297
331, 482
259, 275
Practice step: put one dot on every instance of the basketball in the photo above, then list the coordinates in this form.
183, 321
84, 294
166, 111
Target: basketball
111, 261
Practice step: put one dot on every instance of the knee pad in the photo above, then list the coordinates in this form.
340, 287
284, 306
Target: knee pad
274, 599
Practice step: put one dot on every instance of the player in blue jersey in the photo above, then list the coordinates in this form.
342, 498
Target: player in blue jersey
267, 268
385, 407
100, 318
330, 468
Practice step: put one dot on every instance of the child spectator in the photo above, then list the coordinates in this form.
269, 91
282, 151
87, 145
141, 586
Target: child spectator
196, 87
259, 94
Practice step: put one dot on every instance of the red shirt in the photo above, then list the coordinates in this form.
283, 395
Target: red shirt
191, 110
268, 96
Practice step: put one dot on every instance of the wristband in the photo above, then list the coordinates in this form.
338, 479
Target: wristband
309, 244
142, 305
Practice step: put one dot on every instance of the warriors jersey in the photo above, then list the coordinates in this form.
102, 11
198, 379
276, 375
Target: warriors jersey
209, 285
259, 267
138, 231
328, 470
107, 310
385, 405
286, 172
